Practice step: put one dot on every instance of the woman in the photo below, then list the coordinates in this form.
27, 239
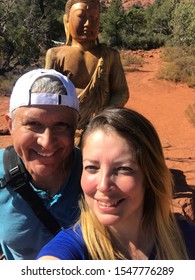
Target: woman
126, 212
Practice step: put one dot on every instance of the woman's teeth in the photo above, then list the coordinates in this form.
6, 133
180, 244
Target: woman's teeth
107, 204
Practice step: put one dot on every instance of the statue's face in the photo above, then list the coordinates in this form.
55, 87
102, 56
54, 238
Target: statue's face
84, 21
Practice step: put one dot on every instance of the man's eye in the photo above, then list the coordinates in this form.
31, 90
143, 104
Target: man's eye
61, 126
33, 126
32, 123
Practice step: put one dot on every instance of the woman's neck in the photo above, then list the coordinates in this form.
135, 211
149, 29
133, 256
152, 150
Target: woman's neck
132, 242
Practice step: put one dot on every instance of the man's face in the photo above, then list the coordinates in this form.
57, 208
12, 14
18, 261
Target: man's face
84, 21
43, 136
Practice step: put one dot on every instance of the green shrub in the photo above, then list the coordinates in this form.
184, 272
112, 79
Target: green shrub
140, 42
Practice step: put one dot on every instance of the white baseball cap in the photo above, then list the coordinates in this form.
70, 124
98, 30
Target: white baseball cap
22, 96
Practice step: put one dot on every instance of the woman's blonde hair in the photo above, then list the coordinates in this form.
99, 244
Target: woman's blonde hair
158, 218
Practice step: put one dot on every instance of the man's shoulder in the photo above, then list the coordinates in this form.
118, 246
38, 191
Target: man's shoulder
1, 162
2, 152
77, 152
77, 164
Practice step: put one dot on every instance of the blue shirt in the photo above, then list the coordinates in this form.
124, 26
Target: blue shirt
22, 234
69, 244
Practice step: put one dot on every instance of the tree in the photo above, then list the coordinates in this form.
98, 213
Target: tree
134, 30
135, 20
159, 17
112, 23
183, 24
26, 29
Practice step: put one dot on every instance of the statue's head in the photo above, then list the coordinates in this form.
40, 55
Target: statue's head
79, 13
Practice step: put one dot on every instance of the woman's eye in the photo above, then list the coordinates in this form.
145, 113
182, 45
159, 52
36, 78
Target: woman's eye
124, 170
90, 168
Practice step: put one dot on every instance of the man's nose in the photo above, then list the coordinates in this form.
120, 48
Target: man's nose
46, 138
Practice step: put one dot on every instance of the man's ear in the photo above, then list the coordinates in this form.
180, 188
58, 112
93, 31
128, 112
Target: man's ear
66, 28
9, 122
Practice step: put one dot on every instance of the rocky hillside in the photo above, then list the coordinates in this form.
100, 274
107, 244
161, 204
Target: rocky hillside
129, 3
144, 3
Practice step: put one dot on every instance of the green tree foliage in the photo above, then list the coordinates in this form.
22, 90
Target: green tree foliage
159, 16
112, 23
183, 24
134, 28
135, 20
122, 28
25, 30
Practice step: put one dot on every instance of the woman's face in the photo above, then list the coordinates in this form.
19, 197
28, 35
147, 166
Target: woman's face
112, 181
84, 21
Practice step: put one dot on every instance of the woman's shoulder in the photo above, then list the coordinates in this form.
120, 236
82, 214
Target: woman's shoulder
68, 244
186, 226
188, 231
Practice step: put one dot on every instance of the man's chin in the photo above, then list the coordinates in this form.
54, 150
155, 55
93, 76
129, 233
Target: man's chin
42, 170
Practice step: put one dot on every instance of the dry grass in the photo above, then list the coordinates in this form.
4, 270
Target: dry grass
179, 65
131, 61
190, 114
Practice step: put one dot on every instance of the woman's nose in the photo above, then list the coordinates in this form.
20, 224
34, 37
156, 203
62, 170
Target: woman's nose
105, 183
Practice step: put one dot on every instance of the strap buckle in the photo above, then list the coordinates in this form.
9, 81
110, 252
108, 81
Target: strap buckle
17, 178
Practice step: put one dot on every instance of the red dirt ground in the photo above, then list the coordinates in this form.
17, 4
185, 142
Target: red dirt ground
164, 104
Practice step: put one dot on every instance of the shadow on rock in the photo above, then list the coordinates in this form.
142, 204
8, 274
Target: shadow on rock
184, 196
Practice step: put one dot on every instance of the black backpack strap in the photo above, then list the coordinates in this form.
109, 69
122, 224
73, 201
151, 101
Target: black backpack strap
14, 169
18, 178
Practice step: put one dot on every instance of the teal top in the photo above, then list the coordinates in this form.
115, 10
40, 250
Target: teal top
22, 234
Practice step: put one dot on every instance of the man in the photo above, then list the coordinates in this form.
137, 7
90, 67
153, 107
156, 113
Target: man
95, 69
42, 121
